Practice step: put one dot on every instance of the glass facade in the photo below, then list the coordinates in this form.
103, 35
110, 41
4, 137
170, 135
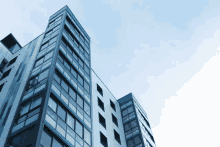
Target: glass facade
57, 97
55, 107
136, 126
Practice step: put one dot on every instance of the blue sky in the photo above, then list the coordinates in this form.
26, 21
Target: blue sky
165, 52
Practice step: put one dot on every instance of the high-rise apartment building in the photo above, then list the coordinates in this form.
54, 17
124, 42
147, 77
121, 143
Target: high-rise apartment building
50, 96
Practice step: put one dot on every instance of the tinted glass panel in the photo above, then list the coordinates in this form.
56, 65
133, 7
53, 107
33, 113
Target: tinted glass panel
80, 79
67, 65
45, 140
64, 85
57, 78
87, 136
61, 112
87, 108
48, 56
52, 104
43, 75
79, 128
72, 93
24, 109
73, 72
39, 62
70, 121
86, 86
80, 62
56, 143
79, 101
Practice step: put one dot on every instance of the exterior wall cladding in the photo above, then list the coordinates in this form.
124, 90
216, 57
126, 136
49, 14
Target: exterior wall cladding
50, 96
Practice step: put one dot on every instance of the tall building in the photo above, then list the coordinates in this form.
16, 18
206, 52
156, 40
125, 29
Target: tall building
50, 96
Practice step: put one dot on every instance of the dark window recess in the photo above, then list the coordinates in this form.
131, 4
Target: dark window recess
114, 119
101, 104
112, 105
99, 89
102, 120
117, 137
6, 74
3, 64
1, 86
12, 61
103, 140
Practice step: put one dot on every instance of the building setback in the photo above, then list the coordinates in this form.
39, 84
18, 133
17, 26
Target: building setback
50, 96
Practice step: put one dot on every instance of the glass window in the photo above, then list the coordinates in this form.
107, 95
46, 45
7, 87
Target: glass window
72, 93
44, 46
125, 112
79, 101
72, 104
86, 69
36, 103
127, 127
53, 40
79, 140
50, 121
52, 114
86, 86
87, 136
101, 104
80, 79
67, 65
52, 104
31, 119
130, 109
78, 129
48, 56
87, 55
74, 72
22, 119
133, 123
56, 143
70, 139
38, 62
61, 123
60, 58
137, 140
64, 85
24, 109
61, 112
87, 108
45, 139
70, 121
71, 132
48, 33
130, 143
80, 62
75, 56
43, 75
70, 50
57, 78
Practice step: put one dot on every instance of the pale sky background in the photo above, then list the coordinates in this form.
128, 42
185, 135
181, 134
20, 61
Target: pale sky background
165, 52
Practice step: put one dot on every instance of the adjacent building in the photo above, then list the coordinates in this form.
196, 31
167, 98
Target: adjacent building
50, 96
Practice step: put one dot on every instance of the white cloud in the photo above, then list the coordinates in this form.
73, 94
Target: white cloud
192, 117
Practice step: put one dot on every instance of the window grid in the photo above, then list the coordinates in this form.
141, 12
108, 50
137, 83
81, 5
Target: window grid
131, 129
72, 100
71, 49
71, 78
28, 114
69, 127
